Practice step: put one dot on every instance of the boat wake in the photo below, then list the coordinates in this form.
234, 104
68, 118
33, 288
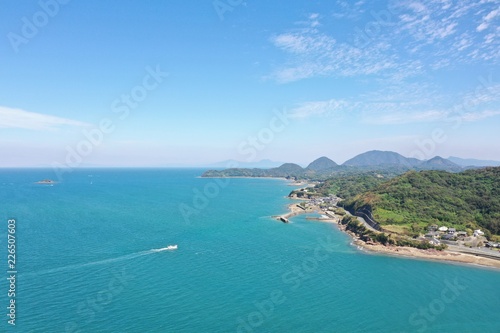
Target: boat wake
102, 262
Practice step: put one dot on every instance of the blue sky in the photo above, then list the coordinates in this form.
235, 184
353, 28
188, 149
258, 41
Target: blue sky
159, 83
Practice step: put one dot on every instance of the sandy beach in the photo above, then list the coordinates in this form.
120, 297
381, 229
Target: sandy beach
429, 254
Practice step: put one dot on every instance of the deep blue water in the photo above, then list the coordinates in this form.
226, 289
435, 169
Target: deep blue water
86, 262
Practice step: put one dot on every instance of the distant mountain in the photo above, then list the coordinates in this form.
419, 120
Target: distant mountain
322, 163
386, 162
470, 162
285, 170
439, 163
381, 158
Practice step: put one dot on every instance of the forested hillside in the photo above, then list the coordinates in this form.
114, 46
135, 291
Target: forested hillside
466, 200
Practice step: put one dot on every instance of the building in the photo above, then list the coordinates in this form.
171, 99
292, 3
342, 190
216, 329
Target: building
478, 232
447, 237
431, 234
433, 227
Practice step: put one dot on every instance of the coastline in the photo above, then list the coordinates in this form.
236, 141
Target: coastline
291, 182
449, 256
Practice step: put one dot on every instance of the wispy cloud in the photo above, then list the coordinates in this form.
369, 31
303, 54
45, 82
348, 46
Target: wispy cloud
319, 108
316, 54
475, 116
487, 19
348, 9
408, 104
21, 119
400, 117
397, 59
435, 34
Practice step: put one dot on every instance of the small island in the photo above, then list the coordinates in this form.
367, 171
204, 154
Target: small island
46, 182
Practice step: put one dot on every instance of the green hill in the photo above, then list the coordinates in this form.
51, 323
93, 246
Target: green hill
382, 158
410, 202
322, 163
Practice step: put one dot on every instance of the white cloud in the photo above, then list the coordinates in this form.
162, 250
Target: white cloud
407, 104
417, 7
464, 41
437, 34
484, 95
303, 43
401, 117
348, 10
313, 18
492, 15
316, 54
489, 38
482, 26
21, 119
423, 36
316, 108
475, 116
487, 19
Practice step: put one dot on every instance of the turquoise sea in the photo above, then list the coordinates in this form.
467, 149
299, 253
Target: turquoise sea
89, 259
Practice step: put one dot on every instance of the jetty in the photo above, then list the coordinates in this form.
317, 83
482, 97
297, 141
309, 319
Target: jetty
284, 219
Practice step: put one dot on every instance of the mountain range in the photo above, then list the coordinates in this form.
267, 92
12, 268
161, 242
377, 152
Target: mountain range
369, 161
471, 162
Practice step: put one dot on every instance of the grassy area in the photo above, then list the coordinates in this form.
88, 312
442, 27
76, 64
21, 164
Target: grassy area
353, 225
495, 238
381, 214
466, 201
398, 229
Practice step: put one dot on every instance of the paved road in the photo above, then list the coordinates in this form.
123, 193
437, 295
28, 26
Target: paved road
369, 227
478, 251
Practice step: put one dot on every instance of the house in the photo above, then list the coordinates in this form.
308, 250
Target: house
443, 229
434, 242
433, 227
431, 234
447, 237
478, 232
452, 231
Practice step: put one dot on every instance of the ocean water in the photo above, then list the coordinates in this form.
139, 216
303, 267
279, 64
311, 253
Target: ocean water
89, 259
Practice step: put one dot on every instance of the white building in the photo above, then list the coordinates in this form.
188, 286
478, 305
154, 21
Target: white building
478, 232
